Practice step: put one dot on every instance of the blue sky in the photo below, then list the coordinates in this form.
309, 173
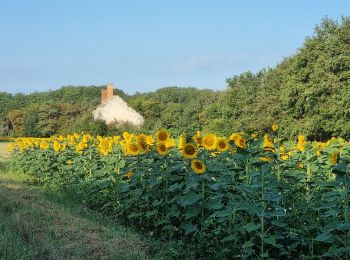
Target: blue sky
147, 44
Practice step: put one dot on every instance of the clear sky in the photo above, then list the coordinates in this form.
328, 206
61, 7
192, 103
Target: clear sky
147, 44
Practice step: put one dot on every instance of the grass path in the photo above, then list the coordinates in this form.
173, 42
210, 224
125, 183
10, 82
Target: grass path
35, 224
3, 152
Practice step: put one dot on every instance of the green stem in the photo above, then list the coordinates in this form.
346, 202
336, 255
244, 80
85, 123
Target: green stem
346, 213
262, 220
203, 197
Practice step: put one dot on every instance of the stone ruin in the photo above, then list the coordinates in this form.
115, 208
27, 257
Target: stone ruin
113, 109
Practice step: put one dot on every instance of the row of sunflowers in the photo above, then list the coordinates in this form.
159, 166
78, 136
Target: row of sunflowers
245, 195
134, 145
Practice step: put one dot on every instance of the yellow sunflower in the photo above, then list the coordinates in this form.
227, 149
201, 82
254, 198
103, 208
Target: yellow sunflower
127, 136
56, 146
333, 158
268, 143
301, 138
209, 142
274, 127
198, 166
105, 146
301, 146
233, 137
141, 140
222, 144
71, 140
240, 142
284, 156
132, 149
86, 138
162, 135
44, 145
198, 138
162, 148
182, 141
149, 140
189, 151
63, 146
116, 139
170, 143
254, 135
80, 147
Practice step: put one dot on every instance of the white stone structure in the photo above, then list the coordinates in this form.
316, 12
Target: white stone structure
114, 109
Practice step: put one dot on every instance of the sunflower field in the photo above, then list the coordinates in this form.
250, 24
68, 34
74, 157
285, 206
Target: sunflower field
242, 196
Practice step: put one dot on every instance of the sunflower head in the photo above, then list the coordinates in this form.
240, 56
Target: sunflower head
198, 166
333, 158
284, 157
274, 127
149, 140
162, 148
162, 135
141, 140
209, 142
189, 151
222, 144
105, 146
301, 146
71, 140
132, 149
268, 143
182, 141
56, 146
301, 138
44, 145
80, 147
254, 135
198, 138
86, 138
116, 139
63, 146
240, 142
127, 136
233, 137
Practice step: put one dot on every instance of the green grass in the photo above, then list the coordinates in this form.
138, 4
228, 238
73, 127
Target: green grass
36, 224
3, 153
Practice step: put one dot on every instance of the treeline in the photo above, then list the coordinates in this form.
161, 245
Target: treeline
308, 92
53, 112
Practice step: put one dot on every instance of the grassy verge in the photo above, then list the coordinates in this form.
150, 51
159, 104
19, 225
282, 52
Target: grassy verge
35, 224
3, 153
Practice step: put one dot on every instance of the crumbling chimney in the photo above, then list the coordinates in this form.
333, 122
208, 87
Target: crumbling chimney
109, 91
106, 94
